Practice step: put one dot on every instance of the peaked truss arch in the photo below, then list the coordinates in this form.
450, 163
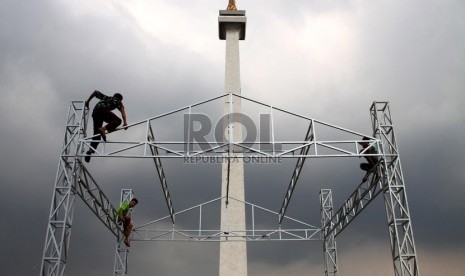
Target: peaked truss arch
309, 147
161, 229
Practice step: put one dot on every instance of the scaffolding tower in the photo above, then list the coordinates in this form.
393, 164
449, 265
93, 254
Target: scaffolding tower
73, 178
329, 241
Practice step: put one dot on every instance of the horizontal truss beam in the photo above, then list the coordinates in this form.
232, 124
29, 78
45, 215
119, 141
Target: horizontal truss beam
230, 236
192, 150
313, 149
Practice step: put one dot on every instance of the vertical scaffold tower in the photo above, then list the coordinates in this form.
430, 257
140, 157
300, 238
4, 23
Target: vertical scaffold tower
329, 242
61, 211
73, 178
395, 195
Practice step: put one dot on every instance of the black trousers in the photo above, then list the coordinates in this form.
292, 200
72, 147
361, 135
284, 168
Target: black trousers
99, 116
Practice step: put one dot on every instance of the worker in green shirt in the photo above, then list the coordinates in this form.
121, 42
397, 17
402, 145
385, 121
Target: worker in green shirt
124, 216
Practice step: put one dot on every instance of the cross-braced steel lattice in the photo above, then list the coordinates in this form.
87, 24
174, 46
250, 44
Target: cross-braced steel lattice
387, 178
73, 178
60, 221
329, 241
395, 195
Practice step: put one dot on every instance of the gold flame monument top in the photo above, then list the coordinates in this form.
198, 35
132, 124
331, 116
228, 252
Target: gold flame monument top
232, 17
231, 5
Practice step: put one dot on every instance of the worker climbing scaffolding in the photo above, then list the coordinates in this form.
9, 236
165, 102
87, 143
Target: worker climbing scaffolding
373, 161
102, 113
368, 149
124, 217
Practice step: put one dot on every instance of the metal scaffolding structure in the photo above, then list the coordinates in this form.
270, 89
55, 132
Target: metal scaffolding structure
395, 195
386, 178
329, 241
156, 230
306, 148
73, 178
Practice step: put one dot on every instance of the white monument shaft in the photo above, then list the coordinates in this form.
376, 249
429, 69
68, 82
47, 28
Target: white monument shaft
233, 255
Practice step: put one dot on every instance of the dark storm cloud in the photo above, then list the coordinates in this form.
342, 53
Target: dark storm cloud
49, 57
408, 53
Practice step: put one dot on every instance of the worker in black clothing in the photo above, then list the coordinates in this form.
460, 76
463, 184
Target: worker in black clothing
368, 149
102, 113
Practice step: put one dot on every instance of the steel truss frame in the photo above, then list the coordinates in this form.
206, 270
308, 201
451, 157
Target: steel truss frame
152, 232
395, 195
388, 179
307, 148
329, 241
73, 178
60, 220
358, 200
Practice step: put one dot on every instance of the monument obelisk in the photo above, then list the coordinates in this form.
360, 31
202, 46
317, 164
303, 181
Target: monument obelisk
233, 254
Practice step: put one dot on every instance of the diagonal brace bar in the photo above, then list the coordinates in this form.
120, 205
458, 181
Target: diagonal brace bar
93, 196
365, 193
295, 176
161, 173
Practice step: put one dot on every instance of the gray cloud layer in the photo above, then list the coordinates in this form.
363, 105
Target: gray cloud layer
328, 60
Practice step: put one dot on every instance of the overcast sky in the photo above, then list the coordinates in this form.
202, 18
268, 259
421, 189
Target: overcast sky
325, 59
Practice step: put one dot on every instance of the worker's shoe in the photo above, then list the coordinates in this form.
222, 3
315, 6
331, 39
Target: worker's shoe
87, 157
366, 166
126, 242
101, 130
